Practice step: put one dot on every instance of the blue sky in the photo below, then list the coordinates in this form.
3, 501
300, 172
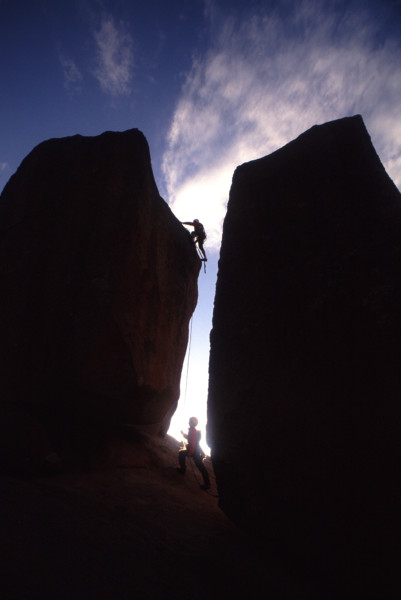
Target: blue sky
211, 83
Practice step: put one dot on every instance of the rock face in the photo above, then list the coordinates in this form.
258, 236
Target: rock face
305, 367
99, 281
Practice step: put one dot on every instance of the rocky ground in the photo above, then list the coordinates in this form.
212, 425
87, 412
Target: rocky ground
133, 528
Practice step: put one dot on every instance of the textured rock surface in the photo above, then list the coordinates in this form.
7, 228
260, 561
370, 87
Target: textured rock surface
139, 531
305, 366
99, 281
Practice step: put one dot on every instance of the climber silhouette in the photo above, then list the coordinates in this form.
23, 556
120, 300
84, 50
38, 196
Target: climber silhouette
198, 235
194, 451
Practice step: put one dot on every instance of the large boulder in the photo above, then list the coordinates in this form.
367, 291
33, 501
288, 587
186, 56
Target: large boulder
304, 411
99, 282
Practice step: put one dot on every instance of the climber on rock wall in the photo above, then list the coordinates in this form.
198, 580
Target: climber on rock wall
198, 235
193, 450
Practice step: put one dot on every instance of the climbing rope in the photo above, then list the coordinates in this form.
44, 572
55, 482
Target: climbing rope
185, 399
188, 356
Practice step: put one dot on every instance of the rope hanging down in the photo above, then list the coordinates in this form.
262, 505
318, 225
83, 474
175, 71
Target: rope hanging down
185, 398
188, 355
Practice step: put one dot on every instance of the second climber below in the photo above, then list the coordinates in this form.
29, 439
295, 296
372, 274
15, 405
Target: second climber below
198, 235
193, 450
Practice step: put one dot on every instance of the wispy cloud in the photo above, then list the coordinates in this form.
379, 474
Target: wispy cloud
266, 80
72, 75
114, 57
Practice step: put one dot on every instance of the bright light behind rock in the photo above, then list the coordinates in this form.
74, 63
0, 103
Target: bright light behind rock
265, 80
267, 77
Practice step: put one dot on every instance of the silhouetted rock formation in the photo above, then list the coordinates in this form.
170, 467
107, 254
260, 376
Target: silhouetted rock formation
305, 366
99, 281
142, 531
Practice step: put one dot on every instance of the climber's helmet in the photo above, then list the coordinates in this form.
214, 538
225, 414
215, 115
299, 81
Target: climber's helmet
193, 421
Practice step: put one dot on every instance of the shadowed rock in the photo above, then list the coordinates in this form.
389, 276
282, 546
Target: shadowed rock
99, 281
305, 366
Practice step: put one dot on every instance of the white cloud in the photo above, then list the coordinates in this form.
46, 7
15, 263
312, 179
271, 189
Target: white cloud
196, 199
72, 75
3, 167
265, 81
114, 60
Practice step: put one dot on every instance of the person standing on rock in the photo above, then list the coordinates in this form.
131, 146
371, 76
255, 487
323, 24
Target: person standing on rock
198, 235
193, 450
